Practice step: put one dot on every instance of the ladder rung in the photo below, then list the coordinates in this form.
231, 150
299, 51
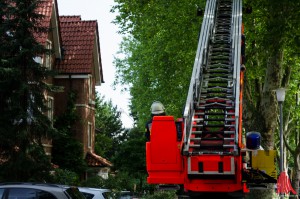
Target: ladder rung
203, 113
213, 132
218, 87
214, 119
211, 152
207, 92
214, 125
218, 78
212, 139
215, 107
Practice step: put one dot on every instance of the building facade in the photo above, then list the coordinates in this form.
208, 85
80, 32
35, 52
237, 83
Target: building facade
77, 59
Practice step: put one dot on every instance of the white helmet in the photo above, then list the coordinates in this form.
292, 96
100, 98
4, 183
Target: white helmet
157, 108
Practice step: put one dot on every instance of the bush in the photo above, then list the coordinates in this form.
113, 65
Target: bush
95, 182
63, 176
161, 195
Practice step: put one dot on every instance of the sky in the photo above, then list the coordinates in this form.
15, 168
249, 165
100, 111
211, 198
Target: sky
109, 45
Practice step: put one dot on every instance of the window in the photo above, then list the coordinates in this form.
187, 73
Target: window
89, 141
74, 193
88, 195
25, 193
90, 90
50, 106
1, 193
90, 87
48, 55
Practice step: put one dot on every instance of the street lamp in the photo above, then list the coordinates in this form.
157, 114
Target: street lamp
280, 94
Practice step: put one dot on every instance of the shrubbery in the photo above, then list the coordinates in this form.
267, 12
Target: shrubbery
161, 195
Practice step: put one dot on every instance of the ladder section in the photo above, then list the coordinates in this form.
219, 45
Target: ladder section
213, 127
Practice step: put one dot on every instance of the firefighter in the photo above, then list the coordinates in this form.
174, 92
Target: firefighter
157, 109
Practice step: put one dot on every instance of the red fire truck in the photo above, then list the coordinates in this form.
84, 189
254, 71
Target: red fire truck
206, 151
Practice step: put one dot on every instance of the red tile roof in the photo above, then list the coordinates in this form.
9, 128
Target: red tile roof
94, 160
78, 40
73, 18
45, 8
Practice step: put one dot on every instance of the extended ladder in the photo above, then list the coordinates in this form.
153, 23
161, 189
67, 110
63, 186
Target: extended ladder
212, 114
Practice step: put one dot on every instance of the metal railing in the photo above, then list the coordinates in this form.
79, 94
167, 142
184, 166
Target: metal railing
236, 45
195, 84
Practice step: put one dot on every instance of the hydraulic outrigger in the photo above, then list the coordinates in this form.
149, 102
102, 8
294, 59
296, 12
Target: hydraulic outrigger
204, 151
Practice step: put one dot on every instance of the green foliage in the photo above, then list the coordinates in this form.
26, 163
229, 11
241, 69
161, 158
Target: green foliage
120, 181
94, 182
133, 148
134, 165
161, 195
64, 176
115, 143
109, 127
30, 165
159, 52
271, 45
22, 87
116, 183
69, 117
67, 152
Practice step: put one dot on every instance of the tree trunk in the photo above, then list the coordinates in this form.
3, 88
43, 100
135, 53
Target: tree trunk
295, 179
268, 106
268, 112
296, 169
261, 194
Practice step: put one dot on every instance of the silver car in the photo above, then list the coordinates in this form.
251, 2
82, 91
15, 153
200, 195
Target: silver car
95, 193
38, 191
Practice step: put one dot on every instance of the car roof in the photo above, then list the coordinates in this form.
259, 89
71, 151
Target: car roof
32, 184
94, 189
97, 193
55, 189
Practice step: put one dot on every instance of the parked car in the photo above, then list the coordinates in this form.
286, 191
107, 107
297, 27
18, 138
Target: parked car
95, 193
38, 191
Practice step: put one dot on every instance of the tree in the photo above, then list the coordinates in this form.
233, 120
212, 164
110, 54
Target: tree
22, 87
159, 52
133, 148
115, 143
109, 126
273, 41
68, 152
